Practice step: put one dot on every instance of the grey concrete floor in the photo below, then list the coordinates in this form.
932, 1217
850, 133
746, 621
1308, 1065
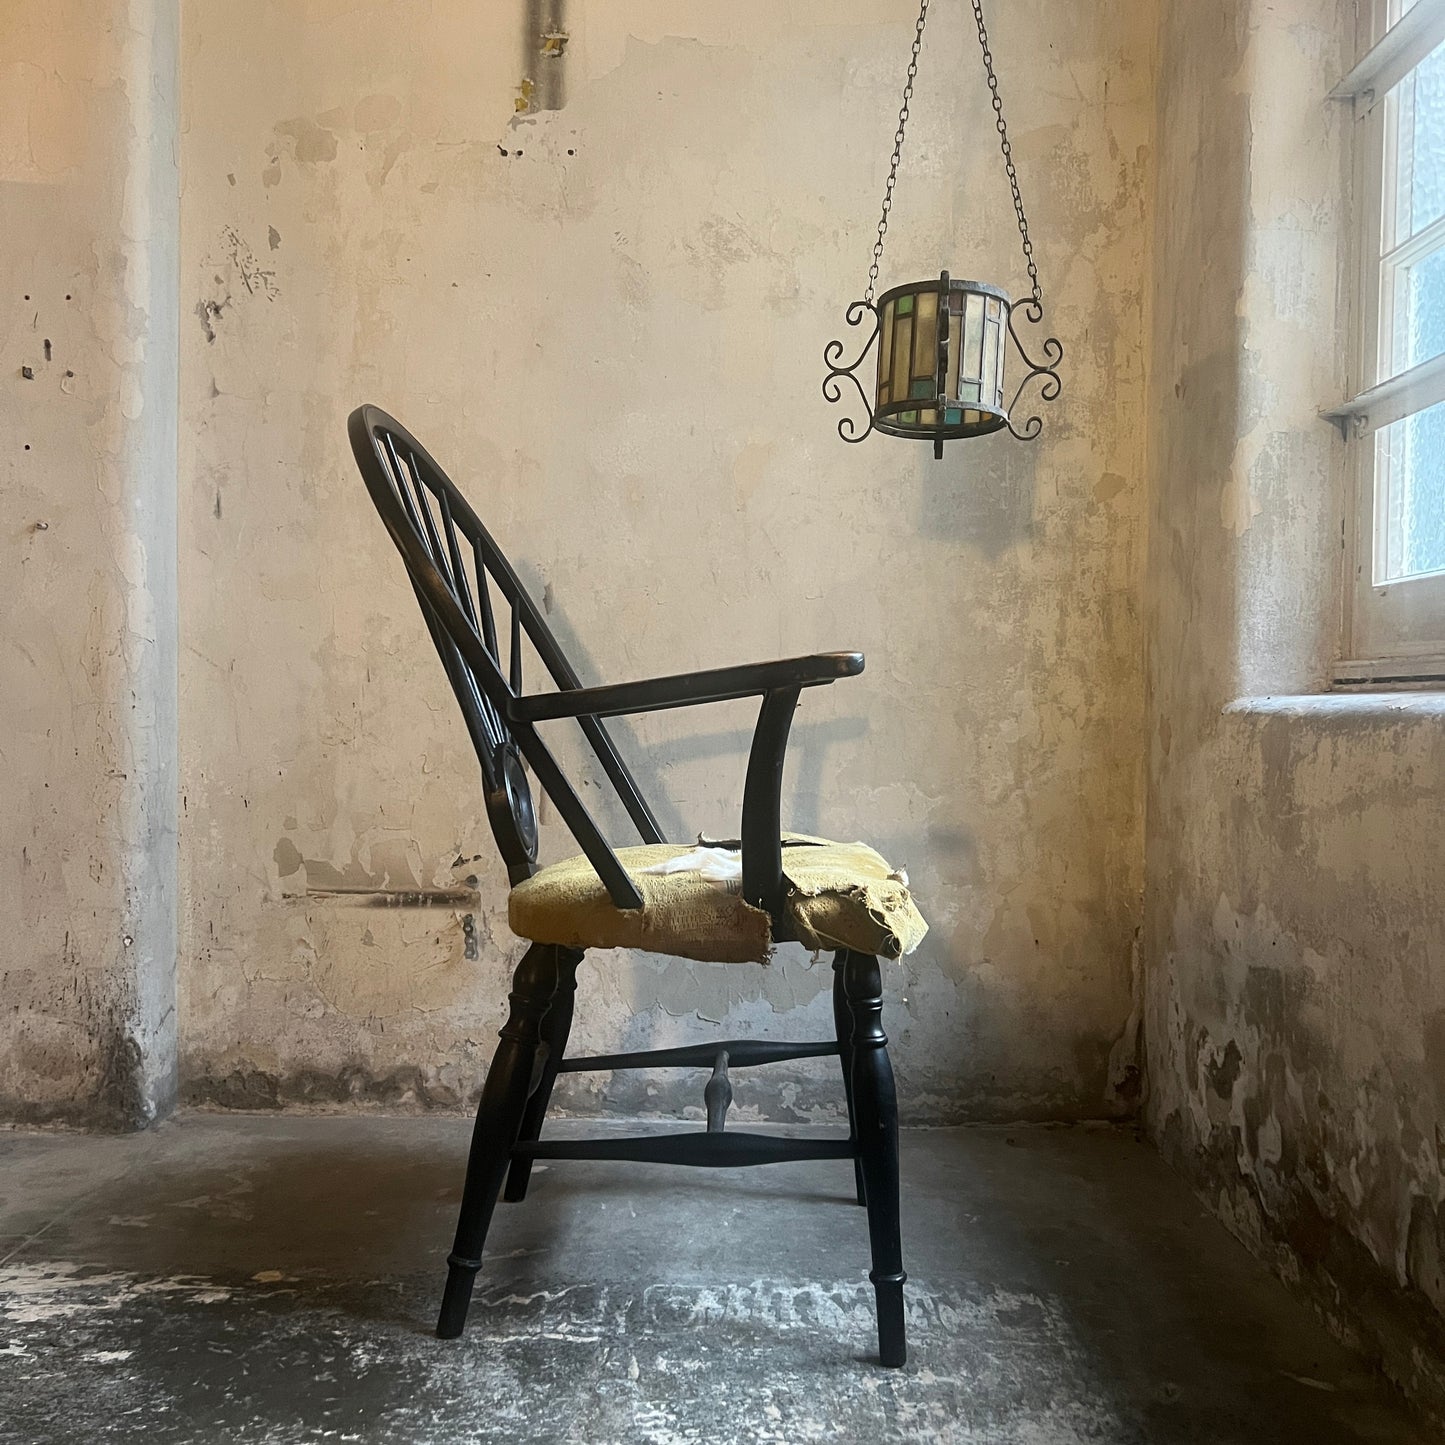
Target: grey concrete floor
258, 1279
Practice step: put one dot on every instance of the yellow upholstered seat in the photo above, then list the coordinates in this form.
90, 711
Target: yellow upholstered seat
839, 895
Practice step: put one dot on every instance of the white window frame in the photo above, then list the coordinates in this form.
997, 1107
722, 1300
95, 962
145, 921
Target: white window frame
1392, 632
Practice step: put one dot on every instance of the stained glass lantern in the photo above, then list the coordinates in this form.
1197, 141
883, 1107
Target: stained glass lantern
941, 351
943, 345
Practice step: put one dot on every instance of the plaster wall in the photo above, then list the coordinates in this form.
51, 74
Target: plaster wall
88, 212
1295, 840
598, 282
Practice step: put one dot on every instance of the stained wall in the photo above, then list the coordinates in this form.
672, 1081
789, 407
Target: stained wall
598, 282
1294, 943
88, 672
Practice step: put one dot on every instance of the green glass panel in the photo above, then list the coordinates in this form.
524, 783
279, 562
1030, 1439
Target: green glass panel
908, 418
885, 351
953, 416
922, 387
905, 305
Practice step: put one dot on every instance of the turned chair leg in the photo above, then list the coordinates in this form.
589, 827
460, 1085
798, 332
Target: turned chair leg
843, 1028
876, 1106
499, 1121
556, 1026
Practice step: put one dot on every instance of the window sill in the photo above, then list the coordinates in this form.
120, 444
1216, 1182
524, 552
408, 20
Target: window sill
1388, 707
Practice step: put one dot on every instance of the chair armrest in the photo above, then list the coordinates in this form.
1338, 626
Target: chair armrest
687, 689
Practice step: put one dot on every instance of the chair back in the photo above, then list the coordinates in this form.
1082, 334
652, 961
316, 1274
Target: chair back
455, 566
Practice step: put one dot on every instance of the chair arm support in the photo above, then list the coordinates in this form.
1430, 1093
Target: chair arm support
687, 689
762, 832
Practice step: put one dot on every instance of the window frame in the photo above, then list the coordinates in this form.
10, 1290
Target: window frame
1391, 632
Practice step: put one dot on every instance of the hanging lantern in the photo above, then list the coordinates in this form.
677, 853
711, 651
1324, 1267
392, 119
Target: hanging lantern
942, 346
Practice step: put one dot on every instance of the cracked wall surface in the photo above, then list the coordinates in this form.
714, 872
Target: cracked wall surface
1294, 943
88, 212
591, 255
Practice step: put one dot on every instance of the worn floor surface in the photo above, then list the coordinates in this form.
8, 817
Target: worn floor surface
249, 1279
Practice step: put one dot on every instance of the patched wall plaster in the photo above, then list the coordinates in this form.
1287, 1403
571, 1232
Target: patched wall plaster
602, 298
1294, 941
88, 387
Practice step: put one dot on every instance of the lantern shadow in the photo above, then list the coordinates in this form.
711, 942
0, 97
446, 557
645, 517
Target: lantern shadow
984, 499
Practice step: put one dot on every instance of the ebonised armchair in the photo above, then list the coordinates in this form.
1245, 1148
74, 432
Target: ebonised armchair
828, 896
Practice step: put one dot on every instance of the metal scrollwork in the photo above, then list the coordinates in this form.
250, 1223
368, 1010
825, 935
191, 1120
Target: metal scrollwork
848, 427
1051, 386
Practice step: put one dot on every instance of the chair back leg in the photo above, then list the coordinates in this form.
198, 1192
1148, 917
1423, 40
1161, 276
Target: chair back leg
876, 1111
556, 1026
843, 1027
499, 1121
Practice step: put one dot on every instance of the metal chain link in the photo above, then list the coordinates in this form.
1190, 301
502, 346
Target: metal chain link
1008, 155
897, 152
1004, 146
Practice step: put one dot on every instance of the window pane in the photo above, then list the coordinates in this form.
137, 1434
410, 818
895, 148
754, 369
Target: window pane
1410, 478
1420, 138
1419, 316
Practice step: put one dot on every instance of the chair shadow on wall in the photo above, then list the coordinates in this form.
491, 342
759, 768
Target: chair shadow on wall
808, 749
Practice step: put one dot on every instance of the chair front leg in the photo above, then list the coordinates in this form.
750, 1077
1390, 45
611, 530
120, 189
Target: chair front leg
876, 1105
556, 1026
843, 1028
499, 1121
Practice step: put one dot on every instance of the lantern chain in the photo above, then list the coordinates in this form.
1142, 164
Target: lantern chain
1005, 147
897, 152
1008, 155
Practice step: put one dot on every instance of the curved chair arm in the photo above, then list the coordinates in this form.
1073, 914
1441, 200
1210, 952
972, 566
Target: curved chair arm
687, 689
779, 684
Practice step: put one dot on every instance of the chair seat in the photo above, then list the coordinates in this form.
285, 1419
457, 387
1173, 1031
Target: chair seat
839, 895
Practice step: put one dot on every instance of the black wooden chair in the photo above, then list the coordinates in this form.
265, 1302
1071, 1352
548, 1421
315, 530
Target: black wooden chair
838, 897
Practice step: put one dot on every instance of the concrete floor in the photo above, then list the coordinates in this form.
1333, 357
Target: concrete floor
259, 1279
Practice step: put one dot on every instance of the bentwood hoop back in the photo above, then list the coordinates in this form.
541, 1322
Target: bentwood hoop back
470, 598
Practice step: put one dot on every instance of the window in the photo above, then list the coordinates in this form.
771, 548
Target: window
1395, 424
